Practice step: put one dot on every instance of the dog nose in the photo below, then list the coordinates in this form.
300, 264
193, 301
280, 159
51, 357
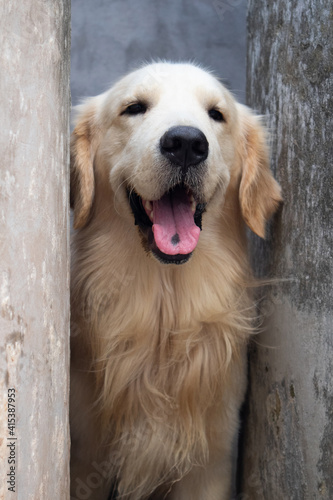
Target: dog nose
184, 146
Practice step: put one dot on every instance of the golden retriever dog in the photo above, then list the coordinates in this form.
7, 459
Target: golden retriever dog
166, 169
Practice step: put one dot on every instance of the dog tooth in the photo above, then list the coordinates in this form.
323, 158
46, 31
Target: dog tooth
148, 205
151, 215
191, 198
193, 206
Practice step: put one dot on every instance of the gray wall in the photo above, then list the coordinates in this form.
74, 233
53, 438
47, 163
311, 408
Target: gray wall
111, 37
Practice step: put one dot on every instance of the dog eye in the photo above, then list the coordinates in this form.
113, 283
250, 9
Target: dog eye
216, 115
138, 108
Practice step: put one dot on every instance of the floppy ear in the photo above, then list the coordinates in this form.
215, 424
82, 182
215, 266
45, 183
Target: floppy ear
83, 148
259, 193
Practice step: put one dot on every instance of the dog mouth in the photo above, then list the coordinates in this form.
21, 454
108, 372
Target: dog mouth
170, 225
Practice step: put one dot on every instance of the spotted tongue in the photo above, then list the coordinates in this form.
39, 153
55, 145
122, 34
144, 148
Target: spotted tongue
175, 231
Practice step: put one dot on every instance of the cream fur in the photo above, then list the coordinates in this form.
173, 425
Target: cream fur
158, 351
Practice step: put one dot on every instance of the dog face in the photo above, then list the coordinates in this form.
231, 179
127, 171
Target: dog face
168, 139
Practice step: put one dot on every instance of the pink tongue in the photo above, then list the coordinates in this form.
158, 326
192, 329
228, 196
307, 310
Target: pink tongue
175, 231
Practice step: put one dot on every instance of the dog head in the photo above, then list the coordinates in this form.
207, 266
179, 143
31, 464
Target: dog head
167, 140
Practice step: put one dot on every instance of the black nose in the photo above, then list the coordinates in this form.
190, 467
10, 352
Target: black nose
184, 146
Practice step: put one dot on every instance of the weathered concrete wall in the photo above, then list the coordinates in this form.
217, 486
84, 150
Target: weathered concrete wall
110, 38
34, 278
289, 435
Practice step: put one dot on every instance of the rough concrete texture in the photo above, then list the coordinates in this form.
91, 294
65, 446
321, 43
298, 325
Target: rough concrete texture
289, 434
34, 277
110, 38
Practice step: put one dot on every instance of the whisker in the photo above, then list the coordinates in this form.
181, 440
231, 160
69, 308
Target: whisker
128, 181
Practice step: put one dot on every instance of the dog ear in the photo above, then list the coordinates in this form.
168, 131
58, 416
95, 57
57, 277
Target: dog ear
84, 140
259, 193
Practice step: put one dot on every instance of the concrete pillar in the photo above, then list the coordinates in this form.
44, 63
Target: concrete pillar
34, 249
288, 448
